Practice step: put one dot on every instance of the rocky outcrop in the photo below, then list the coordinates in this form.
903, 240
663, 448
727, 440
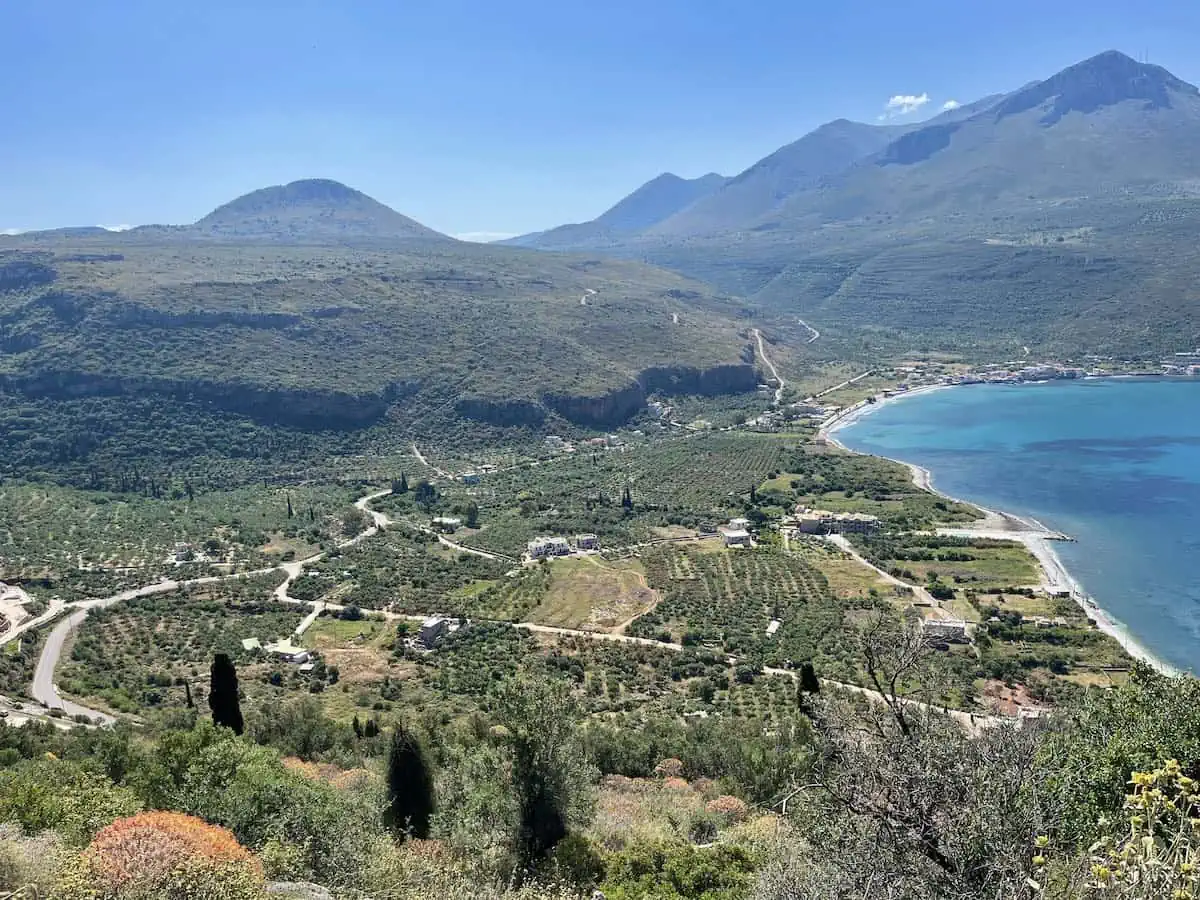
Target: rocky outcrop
21, 274
132, 315
288, 407
602, 411
615, 407
505, 413
675, 381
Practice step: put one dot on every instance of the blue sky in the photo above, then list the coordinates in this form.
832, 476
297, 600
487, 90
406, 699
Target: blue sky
481, 116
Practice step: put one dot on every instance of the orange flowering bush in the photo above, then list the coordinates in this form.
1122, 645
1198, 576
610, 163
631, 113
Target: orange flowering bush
166, 854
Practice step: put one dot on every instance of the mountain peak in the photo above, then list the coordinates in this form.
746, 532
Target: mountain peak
310, 209
1103, 80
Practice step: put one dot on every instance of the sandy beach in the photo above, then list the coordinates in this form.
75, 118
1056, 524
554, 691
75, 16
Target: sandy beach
1000, 525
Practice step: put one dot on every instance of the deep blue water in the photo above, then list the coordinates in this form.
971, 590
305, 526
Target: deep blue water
1113, 462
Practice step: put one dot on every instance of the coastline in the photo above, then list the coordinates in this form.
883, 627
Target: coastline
1001, 525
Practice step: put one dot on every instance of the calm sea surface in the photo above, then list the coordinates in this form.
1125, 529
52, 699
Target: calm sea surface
1114, 462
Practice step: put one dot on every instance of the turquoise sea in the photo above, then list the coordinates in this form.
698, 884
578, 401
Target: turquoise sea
1113, 462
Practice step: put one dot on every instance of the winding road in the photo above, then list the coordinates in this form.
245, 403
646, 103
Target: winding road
813, 334
45, 691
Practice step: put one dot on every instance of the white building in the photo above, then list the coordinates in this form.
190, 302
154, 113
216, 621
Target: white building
544, 547
587, 542
286, 651
735, 537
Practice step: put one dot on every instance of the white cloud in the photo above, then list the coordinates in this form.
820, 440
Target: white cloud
950, 104
116, 227
903, 105
9, 232
484, 237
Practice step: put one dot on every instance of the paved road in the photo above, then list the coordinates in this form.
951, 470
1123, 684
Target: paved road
844, 384
762, 351
44, 690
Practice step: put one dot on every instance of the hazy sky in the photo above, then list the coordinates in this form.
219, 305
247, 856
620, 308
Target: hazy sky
499, 117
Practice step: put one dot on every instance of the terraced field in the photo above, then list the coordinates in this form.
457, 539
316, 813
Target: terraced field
727, 600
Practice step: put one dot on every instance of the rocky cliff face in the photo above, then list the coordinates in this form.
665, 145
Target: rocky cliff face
504, 413
616, 407
293, 408
603, 411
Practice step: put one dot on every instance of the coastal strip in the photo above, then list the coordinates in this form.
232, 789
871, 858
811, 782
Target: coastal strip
999, 525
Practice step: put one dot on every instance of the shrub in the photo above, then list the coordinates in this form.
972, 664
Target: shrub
669, 768
53, 795
1154, 853
728, 807
673, 871
164, 854
30, 863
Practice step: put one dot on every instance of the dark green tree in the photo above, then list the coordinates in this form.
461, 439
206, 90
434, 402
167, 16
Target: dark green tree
551, 775
472, 514
400, 486
753, 494
409, 785
626, 498
809, 683
290, 512
426, 495
223, 694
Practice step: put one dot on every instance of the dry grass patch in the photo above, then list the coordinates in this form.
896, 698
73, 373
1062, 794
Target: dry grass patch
592, 594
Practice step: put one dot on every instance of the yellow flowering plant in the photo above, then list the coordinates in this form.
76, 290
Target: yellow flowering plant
1156, 855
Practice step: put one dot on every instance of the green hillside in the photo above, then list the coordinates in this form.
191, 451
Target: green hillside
178, 334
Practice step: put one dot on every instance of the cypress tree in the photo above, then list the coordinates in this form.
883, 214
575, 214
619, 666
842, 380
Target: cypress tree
809, 682
410, 786
223, 694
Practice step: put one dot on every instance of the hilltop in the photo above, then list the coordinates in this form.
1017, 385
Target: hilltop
308, 210
655, 201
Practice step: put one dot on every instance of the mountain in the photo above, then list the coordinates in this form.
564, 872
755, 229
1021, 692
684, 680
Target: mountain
1109, 125
654, 201
1056, 217
801, 165
312, 209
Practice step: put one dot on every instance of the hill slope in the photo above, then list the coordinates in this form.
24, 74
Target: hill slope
1055, 217
173, 344
746, 198
650, 204
311, 210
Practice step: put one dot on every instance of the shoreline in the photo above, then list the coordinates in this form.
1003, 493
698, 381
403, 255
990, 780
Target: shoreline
1001, 525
